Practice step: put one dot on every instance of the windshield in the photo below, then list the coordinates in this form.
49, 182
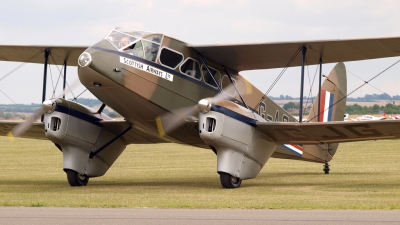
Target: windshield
139, 43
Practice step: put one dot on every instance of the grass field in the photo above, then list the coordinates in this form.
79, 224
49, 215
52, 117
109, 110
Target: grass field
364, 175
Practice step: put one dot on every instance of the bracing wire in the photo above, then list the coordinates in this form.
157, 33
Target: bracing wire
8, 97
17, 68
51, 76
58, 79
21, 65
311, 85
365, 82
278, 77
75, 98
52, 82
60, 75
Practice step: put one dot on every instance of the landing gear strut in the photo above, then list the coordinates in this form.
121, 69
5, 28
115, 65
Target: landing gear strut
76, 179
229, 181
326, 168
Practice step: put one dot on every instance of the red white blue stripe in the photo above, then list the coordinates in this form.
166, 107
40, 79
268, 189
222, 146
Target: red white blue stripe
295, 149
326, 108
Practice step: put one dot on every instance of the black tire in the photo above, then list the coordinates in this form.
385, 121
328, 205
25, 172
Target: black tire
229, 181
75, 179
326, 168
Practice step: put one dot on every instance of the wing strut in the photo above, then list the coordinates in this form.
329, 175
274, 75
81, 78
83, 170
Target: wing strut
303, 59
101, 108
65, 77
46, 59
93, 154
319, 90
230, 78
209, 71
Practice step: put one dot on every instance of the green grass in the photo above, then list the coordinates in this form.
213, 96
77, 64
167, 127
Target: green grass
364, 175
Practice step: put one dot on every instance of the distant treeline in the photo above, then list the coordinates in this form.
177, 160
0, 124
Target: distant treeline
10, 110
88, 101
375, 109
8, 115
366, 98
351, 109
20, 108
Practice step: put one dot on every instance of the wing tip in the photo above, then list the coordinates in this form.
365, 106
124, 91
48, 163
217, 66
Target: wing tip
160, 128
10, 136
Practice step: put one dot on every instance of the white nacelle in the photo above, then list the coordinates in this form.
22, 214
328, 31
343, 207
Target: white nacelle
242, 151
76, 138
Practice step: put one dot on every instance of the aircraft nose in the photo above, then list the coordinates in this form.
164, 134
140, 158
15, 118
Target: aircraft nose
97, 66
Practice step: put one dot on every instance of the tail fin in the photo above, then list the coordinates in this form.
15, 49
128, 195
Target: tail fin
332, 108
333, 97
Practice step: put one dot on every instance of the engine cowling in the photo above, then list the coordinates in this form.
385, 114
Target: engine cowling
76, 131
230, 129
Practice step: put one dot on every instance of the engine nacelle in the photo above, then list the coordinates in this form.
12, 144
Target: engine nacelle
242, 151
76, 131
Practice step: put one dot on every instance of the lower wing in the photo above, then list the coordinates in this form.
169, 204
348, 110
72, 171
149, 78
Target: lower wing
330, 132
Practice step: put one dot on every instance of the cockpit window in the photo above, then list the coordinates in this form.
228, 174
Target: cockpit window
125, 42
134, 33
120, 40
142, 44
154, 38
137, 49
151, 46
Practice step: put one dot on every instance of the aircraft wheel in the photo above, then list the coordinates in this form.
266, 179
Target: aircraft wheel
229, 181
326, 168
75, 179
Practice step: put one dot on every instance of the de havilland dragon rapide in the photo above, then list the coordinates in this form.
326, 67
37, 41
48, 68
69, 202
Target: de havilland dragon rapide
169, 91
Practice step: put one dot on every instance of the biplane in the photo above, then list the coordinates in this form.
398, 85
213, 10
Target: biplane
171, 91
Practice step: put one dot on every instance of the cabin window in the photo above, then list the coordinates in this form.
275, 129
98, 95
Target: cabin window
191, 68
207, 77
170, 58
227, 86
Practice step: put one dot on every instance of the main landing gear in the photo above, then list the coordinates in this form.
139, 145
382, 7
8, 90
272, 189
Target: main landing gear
326, 168
76, 179
229, 181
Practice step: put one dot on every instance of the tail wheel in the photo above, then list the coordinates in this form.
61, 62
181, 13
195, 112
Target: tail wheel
76, 179
229, 181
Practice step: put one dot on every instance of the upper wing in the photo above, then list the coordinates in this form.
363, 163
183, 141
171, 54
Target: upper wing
330, 132
36, 131
35, 54
276, 55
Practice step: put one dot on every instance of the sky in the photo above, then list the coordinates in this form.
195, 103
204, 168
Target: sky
82, 23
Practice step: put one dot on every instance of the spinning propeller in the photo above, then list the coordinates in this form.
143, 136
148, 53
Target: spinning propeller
48, 106
170, 121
